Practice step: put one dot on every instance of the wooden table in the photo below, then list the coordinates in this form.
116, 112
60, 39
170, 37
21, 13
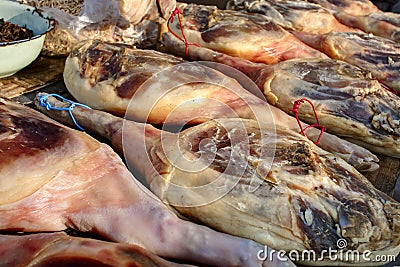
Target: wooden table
41, 73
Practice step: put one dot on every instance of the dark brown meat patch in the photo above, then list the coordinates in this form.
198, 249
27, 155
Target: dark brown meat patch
27, 136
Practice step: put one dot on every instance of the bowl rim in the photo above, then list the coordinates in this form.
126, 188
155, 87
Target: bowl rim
41, 14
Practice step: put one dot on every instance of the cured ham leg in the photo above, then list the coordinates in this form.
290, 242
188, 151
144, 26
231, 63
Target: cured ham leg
271, 185
382, 24
251, 36
162, 89
348, 101
57, 249
292, 14
123, 75
378, 55
355, 7
53, 177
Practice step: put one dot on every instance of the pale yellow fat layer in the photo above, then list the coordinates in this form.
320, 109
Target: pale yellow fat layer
101, 96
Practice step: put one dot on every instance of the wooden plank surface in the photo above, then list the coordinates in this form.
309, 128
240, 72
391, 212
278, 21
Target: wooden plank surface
45, 74
40, 73
386, 176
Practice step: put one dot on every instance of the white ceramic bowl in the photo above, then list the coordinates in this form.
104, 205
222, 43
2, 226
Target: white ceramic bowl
18, 54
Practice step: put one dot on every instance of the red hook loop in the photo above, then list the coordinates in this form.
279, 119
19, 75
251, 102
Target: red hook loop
174, 13
295, 110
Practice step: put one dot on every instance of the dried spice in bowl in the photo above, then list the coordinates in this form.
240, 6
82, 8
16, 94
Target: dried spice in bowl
12, 32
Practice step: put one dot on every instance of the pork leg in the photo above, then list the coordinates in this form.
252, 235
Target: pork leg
58, 249
349, 102
271, 185
154, 84
247, 35
163, 89
259, 73
53, 178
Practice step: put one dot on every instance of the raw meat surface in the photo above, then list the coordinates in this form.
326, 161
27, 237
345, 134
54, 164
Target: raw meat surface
53, 178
